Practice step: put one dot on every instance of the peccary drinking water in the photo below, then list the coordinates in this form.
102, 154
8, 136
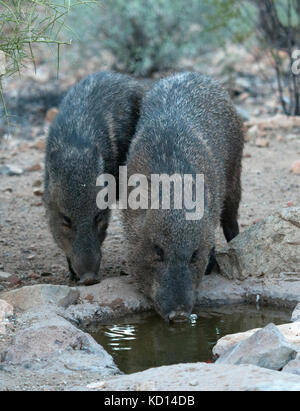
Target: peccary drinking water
187, 125
90, 136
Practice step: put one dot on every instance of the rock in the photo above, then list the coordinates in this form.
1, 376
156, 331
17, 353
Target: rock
37, 183
38, 192
146, 386
253, 133
51, 336
33, 296
97, 385
4, 276
217, 290
262, 142
74, 363
268, 251
243, 113
293, 367
35, 167
117, 293
292, 137
6, 311
291, 333
243, 97
14, 280
210, 377
11, 170
85, 313
51, 114
267, 348
296, 314
107, 301
296, 167
276, 122
243, 83
39, 145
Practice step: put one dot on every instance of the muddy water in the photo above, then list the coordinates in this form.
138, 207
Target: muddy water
146, 341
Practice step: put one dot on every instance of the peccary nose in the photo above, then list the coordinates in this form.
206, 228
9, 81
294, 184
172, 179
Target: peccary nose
178, 316
89, 279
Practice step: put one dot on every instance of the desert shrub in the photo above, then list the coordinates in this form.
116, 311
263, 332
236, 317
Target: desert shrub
274, 25
147, 36
24, 23
278, 32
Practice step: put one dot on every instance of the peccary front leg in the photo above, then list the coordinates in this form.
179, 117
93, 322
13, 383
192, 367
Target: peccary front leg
212, 261
229, 217
230, 227
71, 274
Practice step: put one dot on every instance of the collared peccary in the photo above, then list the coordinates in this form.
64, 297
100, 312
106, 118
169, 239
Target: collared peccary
90, 136
188, 126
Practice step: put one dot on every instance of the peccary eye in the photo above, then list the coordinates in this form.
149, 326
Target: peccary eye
67, 222
194, 257
159, 252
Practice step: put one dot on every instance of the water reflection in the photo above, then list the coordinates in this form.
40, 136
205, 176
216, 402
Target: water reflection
147, 341
120, 334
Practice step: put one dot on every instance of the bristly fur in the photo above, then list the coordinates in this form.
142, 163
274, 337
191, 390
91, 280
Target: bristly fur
90, 136
188, 124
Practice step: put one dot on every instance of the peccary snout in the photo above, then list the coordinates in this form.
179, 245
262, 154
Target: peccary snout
89, 279
178, 316
173, 294
85, 267
84, 257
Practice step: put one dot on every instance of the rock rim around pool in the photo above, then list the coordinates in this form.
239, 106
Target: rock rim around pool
53, 310
291, 333
293, 367
198, 377
45, 344
25, 298
266, 348
42, 334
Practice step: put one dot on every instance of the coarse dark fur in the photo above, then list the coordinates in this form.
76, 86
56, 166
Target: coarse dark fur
90, 136
188, 125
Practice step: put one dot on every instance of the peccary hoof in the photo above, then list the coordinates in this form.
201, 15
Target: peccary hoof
71, 276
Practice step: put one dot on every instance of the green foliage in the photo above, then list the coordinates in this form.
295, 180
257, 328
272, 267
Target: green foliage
24, 23
146, 35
